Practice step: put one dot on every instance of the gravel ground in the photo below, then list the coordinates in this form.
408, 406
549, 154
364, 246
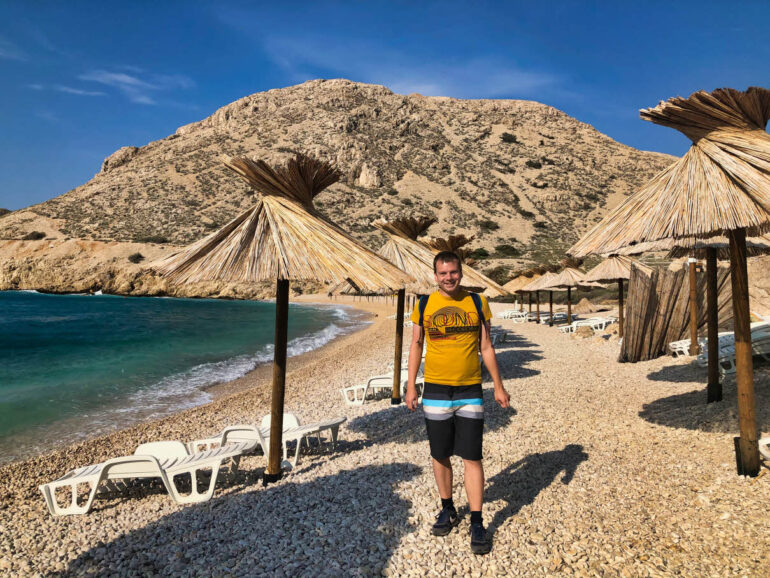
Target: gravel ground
599, 468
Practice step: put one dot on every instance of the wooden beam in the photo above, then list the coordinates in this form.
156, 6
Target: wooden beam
569, 305
537, 298
714, 387
529, 297
550, 308
395, 397
273, 472
694, 348
620, 308
747, 455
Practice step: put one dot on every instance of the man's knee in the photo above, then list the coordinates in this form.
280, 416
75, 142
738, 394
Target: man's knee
473, 464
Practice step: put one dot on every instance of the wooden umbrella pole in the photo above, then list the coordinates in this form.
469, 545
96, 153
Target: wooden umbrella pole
273, 472
569, 305
395, 397
620, 308
693, 310
529, 298
550, 308
747, 449
537, 298
714, 388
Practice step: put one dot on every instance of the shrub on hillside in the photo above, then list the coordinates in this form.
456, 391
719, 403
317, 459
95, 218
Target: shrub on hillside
34, 236
159, 239
534, 164
4, 212
508, 137
506, 250
540, 225
136, 257
526, 214
498, 274
488, 225
480, 253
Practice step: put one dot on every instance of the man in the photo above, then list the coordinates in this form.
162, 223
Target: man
452, 398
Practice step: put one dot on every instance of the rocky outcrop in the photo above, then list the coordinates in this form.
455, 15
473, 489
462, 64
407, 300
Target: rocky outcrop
506, 171
119, 158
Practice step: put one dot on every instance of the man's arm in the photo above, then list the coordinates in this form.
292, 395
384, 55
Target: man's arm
415, 357
490, 361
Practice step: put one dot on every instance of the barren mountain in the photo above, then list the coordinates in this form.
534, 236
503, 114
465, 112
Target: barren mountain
524, 178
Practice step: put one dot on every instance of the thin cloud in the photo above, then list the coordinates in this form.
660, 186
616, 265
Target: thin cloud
137, 89
78, 91
48, 115
9, 51
490, 77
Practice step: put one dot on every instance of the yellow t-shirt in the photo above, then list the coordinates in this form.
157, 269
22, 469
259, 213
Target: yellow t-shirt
452, 335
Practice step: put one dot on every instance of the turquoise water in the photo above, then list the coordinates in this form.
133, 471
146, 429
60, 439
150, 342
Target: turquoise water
74, 366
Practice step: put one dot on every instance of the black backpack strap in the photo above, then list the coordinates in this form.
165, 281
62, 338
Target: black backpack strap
480, 310
423, 303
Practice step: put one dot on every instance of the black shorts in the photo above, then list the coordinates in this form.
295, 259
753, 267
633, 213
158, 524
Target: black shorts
454, 418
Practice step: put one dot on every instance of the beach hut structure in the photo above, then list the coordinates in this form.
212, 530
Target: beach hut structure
711, 249
721, 186
282, 238
613, 268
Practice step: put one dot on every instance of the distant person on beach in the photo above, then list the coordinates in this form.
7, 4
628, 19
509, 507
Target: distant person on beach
457, 326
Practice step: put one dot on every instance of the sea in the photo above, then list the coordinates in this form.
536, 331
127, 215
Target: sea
77, 366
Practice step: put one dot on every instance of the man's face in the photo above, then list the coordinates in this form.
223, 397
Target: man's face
448, 276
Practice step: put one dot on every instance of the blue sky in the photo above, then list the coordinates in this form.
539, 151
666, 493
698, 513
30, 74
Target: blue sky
81, 79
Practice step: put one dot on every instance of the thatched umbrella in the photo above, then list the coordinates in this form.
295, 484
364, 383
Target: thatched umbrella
614, 268
410, 255
568, 279
454, 243
282, 238
542, 283
721, 186
517, 284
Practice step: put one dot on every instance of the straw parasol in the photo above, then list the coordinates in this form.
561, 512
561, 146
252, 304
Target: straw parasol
568, 279
614, 268
454, 243
540, 284
720, 187
410, 255
282, 238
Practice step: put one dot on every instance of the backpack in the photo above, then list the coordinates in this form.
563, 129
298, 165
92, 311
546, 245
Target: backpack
476, 301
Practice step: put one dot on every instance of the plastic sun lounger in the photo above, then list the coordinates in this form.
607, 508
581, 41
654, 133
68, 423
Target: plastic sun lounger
259, 436
764, 448
356, 394
165, 460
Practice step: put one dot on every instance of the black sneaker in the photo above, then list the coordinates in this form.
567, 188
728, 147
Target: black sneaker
445, 521
480, 542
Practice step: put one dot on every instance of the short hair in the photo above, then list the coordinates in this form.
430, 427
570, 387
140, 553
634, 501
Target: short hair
447, 257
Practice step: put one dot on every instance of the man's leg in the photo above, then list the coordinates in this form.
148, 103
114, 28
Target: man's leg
442, 471
474, 483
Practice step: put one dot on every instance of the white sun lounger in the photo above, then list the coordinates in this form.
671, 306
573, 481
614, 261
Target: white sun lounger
260, 436
356, 394
764, 448
164, 460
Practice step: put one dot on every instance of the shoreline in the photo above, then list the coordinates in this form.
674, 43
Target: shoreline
52, 462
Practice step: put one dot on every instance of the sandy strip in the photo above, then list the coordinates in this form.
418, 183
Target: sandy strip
598, 469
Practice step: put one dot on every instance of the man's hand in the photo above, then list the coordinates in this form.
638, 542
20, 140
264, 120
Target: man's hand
411, 397
501, 397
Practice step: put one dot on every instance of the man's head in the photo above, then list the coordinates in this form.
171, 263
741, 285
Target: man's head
448, 271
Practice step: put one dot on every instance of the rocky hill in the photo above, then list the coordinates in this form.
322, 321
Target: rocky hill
524, 178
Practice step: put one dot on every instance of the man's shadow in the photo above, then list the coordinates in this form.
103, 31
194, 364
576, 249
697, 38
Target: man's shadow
521, 482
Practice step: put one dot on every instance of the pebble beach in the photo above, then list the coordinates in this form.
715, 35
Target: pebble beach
597, 469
